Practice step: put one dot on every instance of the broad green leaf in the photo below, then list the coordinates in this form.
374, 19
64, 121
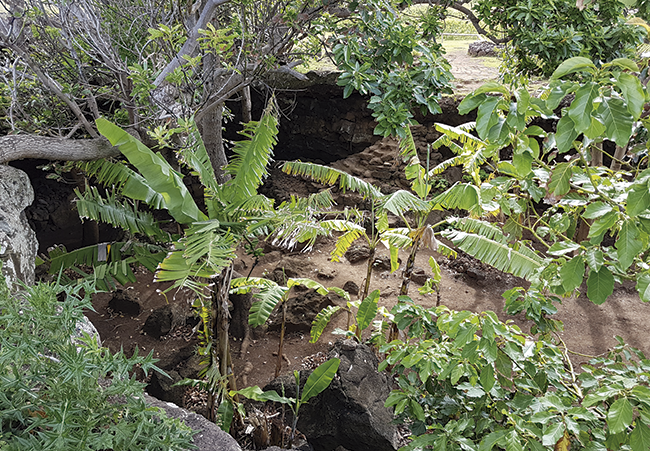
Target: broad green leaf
552, 433
470, 103
267, 299
596, 210
560, 248
623, 63
582, 106
487, 116
596, 129
367, 311
640, 437
602, 226
256, 394
643, 286
161, 177
594, 258
572, 273
461, 195
492, 439
487, 378
628, 244
560, 177
600, 285
618, 121
492, 86
320, 379
308, 283
619, 416
638, 200
572, 65
503, 364
513, 442
565, 134
632, 90
559, 89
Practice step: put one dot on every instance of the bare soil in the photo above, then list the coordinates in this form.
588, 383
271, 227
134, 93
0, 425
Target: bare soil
589, 330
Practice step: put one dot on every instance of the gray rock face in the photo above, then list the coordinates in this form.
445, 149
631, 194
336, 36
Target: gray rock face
208, 437
351, 413
18, 245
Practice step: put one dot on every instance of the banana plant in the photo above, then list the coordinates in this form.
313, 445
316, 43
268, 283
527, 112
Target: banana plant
269, 294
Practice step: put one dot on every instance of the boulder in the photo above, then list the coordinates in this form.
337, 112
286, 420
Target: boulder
484, 48
208, 437
159, 322
350, 413
301, 311
18, 244
357, 253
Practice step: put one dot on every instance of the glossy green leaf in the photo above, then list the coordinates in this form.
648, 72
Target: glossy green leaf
596, 210
618, 121
594, 258
560, 248
367, 310
582, 106
321, 321
552, 433
640, 437
600, 285
320, 379
619, 416
643, 286
638, 200
628, 244
487, 116
632, 90
602, 226
487, 378
572, 65
572, 273
565, 134
560, 178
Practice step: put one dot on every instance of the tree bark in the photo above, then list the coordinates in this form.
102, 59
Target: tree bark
17, 147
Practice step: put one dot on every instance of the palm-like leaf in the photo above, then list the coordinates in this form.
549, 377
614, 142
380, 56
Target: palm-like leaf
330, 176
195, 156
123, 179
251, 157
308, 283
92, 205
522, 262
203, 253
159, 175
343, 243
461, 195
321, 321
402, 201
478, 227
267, 299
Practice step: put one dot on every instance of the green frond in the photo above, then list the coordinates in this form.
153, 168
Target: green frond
159, 175
330, 176
398, 238
195, 156
440, 168
296, 229
407, 149
341, 225
266, 300
248, 166
522, 262
478, 227
367, 311
403, 201
203, 252
341, 292
309, 283
344, 242
321, 321
447, 141
243, 285
123, 179
92, 205
461, 133
461, 195
447, 251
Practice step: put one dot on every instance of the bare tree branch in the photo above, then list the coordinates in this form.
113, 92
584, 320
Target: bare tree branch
17, 147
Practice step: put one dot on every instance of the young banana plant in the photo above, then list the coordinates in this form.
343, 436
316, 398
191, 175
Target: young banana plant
269, 294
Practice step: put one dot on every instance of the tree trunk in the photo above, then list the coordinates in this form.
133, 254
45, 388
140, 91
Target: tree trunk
618, 157
211, 132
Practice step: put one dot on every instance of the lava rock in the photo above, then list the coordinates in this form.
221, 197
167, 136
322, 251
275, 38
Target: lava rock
327, 274
351, 288
351, 412
162, 387
125, 302
159, 322
419, 276
301, 311
484, 48
357, 253
475, 273
209, 437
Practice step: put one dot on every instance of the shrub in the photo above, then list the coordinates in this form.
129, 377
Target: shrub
62, 392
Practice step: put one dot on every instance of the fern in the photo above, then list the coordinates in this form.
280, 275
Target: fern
330, 176
91, 204
522, 262
321, 321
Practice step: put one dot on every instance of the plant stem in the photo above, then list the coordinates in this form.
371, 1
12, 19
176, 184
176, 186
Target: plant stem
278, 365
